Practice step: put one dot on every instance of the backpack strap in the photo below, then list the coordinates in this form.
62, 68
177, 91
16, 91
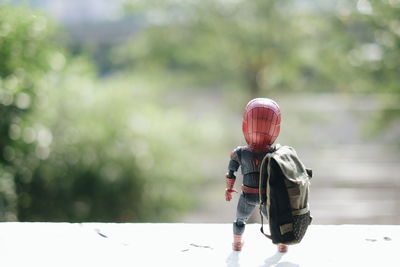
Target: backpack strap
262, 226
261, 204
262, 170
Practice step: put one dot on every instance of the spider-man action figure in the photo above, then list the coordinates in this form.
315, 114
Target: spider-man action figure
261, 127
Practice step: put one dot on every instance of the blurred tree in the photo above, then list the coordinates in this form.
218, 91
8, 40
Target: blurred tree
27, 53
373, 28
360, 53
250, 45
74, 149
370, 36
266, 47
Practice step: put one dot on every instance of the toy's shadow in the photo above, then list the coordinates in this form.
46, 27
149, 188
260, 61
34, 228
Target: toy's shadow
274, 261
233, 259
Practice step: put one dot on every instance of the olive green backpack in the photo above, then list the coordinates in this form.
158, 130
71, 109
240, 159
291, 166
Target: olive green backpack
285, 200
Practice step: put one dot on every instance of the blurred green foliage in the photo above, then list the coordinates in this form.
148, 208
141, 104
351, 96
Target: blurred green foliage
132, 145
27, 53
371, 38
229, 44
74, 148
269, 47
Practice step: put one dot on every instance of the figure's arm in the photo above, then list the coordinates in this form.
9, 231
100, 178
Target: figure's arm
230, 176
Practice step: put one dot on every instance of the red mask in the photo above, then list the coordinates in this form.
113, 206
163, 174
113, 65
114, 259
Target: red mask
261, 123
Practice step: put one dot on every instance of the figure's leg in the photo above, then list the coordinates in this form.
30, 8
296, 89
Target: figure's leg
244, 210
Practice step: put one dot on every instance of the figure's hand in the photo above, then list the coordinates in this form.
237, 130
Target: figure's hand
228, 193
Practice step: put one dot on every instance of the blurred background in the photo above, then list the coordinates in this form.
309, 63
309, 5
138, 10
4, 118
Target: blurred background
127, 111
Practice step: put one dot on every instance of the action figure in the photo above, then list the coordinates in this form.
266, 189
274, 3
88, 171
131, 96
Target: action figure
261, 127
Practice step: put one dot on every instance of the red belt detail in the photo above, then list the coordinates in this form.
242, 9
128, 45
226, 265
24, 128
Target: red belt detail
251, 190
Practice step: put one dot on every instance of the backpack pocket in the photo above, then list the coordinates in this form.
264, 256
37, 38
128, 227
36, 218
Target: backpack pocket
300, 225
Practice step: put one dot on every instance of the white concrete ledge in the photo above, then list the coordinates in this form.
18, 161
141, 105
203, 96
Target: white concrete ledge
106, 244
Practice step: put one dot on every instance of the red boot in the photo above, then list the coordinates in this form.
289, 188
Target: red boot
237, 243
282, 248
